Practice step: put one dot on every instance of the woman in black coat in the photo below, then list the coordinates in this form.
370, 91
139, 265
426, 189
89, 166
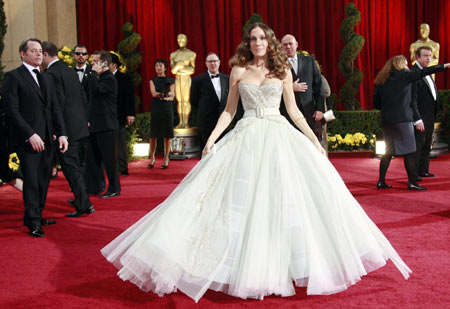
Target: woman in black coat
398, 112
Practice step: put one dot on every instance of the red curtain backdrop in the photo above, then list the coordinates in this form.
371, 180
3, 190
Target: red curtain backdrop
388, 26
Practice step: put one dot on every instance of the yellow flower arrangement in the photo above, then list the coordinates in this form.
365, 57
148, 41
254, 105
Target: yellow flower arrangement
14, 162
356, 141
65, 55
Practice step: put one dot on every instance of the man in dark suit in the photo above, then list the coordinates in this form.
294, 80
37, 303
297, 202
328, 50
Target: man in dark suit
30, 102
426, 95
209, 93
125, 109
73, 104
307, 86
102, 113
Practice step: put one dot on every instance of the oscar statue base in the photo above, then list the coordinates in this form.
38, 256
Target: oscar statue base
185, 144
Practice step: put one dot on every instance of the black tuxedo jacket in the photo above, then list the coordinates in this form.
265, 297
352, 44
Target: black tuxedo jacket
102, 108
312, 99
85, 81
426, 104
30, 109
71, 98
125, 97
205, 100
395, 99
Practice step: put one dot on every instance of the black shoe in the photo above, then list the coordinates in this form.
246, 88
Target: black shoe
150, 165
71, 201
164, 166
419, 178
47, 222
415, 186
77, 214
383, 185
124, 173
110, 194
427, 175
36, 231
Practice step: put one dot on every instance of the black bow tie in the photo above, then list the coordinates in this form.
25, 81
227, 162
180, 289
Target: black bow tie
79, 70
215, 76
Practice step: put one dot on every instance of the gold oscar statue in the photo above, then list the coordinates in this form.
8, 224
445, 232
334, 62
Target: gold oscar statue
182, 62
424, 40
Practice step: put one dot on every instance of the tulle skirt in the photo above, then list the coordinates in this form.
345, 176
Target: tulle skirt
263, 211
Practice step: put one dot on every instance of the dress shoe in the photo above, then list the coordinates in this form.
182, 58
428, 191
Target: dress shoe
383, 185
110, 194
77, 214
47, 222
36, 231
71, 201
151, 164
419, 178
427, 175
124, 173
164, 166
415, 186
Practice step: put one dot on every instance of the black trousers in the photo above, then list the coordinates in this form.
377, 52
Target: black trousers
423, 145
73, 171
122, 156
37, 170
93, 170
103, 146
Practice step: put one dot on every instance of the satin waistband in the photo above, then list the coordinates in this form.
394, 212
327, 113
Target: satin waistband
262, 112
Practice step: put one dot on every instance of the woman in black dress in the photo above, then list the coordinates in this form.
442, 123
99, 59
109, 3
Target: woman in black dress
398, 111
161, 125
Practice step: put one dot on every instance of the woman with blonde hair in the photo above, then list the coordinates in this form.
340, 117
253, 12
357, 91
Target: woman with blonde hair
263, 210
398, 112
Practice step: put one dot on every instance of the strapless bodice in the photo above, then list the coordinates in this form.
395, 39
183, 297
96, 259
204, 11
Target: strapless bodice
265, 96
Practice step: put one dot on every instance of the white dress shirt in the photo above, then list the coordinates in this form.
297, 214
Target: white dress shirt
31, 68
294, 63
216, 84
430, 82
81, 74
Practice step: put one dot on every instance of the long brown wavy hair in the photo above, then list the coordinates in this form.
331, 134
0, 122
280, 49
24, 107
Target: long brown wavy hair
398, 62
276, 56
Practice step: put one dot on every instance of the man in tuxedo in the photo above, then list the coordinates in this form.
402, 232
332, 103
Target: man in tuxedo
73, 103
307, 86
102, 113
209, 93
426, 93
95, 179
125, 109
31, 104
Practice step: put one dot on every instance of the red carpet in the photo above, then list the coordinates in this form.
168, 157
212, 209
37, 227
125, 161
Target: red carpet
66, 270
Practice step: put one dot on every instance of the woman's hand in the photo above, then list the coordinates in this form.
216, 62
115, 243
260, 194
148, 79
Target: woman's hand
207, 149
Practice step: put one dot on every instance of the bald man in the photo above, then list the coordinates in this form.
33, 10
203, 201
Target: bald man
307, 86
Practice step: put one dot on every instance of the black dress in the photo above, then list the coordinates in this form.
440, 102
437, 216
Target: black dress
161, 123
6, 174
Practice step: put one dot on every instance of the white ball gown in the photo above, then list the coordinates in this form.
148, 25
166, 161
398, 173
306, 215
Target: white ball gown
263, 211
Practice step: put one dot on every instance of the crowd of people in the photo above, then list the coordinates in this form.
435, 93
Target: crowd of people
252, 216
82, 112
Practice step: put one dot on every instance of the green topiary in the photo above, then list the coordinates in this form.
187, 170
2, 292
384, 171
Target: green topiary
255, 18
3, 28
443, 115
354, 43
132, 57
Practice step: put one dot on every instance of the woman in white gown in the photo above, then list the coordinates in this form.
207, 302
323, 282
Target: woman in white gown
264, 208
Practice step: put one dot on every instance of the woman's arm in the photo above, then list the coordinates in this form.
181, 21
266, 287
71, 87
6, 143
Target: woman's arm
418, 74
155, 94
230, 109
295, 114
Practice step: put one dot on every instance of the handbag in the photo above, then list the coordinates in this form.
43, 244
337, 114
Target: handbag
329, 116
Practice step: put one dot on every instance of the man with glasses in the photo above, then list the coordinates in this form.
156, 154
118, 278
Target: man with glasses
209, 93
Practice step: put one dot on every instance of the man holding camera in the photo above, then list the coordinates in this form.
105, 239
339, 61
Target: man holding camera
103, 122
